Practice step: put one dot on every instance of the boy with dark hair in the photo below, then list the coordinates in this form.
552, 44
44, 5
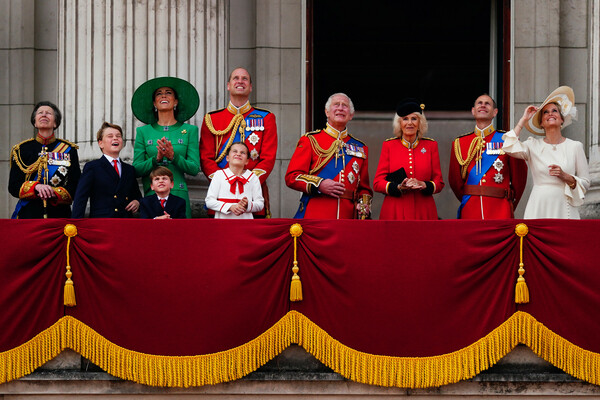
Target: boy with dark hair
108, 182
162, 204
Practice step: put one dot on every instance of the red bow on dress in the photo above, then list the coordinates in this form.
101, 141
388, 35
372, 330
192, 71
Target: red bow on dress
239, 182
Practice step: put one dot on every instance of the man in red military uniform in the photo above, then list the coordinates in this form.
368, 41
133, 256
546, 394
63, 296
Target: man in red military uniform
488, 182
330, 168
240, 122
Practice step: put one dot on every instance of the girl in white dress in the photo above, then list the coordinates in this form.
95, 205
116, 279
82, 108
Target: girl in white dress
235, 192
558, 165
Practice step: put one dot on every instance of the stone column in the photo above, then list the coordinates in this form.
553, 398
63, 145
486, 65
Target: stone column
266, 37
108, 48
556, 43
592, 207
28, 65
536, 51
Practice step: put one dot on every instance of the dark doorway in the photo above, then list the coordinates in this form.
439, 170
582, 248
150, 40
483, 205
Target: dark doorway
382, 51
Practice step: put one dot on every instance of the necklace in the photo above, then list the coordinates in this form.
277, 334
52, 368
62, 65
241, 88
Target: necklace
562, 139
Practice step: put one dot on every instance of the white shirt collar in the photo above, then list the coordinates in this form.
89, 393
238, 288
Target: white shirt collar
110, 159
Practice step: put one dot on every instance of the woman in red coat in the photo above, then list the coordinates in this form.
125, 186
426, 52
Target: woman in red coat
409, 167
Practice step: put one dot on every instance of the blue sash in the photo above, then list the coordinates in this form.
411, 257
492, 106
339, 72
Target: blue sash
254, 118
51, 171
18, 207
486, 163
329, 171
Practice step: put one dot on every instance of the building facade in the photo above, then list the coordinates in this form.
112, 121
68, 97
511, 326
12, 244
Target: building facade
90, 57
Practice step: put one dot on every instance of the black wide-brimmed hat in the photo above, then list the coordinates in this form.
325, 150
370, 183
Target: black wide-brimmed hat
409, 106
142, 102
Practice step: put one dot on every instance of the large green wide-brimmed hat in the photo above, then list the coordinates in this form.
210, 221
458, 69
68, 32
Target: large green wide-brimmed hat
142, 102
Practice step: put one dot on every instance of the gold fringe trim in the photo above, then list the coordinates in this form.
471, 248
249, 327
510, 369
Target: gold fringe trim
24, 359
435, 371
147, 369
294, 327
409, 372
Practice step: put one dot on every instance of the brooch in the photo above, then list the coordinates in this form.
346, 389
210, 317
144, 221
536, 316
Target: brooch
351, 177
498, 165
253, 139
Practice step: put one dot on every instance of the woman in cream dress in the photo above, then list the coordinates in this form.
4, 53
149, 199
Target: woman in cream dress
558, 164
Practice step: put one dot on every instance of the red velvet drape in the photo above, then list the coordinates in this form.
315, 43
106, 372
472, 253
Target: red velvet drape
382, 287
31, 278
562, 266
178, 287
408, 289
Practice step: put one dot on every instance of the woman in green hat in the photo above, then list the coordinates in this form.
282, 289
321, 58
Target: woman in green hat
164, 104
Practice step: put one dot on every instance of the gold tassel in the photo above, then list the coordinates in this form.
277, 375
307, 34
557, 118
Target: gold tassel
296, 286
521, 289
69, 297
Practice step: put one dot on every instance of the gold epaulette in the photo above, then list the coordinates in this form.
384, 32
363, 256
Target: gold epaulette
457, 150
215, 111
262, 109
18, 145
17, 157
73, 145
392, 138
312, 132
358, 140
428, 138
465, 134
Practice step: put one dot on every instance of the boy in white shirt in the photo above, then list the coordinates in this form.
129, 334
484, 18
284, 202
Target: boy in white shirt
235, 192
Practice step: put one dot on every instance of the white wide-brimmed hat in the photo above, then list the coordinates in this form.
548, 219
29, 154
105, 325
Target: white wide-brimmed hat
565, 98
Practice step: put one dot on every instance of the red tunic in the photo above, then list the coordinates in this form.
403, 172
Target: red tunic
421, 162
262, 143
308, 161
511, 177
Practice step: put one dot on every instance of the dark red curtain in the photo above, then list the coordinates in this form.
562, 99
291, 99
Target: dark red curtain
418, 288
391, 288
32, 272
562, 270
181, 287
